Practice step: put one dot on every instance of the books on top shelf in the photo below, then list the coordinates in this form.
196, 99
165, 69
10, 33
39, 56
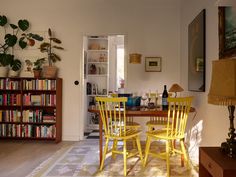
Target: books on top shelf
39, 84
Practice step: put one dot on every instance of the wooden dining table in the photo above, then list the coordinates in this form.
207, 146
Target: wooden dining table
132, 112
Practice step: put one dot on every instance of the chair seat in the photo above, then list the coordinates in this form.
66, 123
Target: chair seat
130, 133
162, 134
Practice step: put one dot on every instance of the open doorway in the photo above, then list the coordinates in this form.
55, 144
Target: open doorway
104, 73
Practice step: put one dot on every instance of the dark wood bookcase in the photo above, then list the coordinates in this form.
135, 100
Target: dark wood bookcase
31, 109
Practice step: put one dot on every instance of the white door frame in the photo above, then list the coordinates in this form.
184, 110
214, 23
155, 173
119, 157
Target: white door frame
82, 90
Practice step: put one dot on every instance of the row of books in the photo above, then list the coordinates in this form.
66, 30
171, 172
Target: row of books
32, 116
28, 131
38, 84
10, 116
39, 100
8, 84
10, 99
38, 116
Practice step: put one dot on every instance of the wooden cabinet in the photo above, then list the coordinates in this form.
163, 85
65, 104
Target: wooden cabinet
31, 109
214, 163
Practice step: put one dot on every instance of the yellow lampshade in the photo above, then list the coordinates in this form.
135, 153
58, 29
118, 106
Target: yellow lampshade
176, 88
135, 58
223, 82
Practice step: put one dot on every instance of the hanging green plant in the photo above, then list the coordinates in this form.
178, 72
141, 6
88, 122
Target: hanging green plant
17, 36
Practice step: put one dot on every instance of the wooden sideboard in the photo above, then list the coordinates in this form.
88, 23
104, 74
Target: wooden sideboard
214, 163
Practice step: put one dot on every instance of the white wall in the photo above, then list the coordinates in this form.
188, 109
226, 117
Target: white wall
152, 28
211, 124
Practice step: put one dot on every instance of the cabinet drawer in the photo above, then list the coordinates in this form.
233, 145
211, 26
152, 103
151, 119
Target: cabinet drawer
211, 166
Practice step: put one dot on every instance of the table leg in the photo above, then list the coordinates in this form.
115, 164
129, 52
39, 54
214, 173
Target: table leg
100, 138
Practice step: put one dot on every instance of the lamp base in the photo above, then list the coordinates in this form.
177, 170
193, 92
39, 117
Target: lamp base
229, 148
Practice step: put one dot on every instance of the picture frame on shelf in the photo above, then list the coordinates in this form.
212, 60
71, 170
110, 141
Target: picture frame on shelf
227, 30
153, 64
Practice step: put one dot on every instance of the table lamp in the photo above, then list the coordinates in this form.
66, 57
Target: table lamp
223, 92
176, 88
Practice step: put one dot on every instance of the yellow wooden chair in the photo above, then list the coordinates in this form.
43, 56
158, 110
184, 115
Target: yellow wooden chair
175, 129
114, 121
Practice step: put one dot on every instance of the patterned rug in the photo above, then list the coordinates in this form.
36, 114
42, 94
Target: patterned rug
82, 160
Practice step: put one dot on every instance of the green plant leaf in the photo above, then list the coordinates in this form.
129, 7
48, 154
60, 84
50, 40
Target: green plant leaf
16, 65
3, 20
13, 26
10, 40
23, 24
37, 37
55, 57
49, 32
44, 47
6, 59
22, 43
58, 47
55, 40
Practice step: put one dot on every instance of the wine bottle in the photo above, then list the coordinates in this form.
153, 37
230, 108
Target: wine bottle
164, 99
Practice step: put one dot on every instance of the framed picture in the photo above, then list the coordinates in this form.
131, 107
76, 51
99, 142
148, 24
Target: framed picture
196, 53
153, 64
227, 32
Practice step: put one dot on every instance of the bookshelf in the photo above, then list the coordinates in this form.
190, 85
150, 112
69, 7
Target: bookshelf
31, 109
96, 50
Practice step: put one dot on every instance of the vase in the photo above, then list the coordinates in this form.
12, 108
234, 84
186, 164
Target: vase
13, 73
49, 72
37, 73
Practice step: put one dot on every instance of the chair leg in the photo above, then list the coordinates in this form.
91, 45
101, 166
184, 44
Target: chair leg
168, 158
184, 151
114, 147
148, 142
139, 149
125, 157
133, 142
104, 154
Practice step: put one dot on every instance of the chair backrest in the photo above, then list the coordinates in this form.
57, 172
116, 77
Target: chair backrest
113, 115
178, 111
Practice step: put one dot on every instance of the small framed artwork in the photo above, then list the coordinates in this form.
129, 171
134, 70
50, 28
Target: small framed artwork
227, 30
153, 64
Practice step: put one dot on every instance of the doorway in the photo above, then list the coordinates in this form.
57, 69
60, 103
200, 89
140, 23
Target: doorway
104, 73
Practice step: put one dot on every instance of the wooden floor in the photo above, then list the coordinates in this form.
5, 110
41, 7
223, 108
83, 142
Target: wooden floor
19, 158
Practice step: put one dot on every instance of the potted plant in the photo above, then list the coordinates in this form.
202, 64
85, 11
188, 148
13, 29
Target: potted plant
49, 47
15, 66
17, 36
38, 67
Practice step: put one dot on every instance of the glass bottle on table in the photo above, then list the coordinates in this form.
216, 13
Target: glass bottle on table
144, 98
164, 99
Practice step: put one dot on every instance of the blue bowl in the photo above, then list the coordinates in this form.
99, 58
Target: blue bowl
133, 101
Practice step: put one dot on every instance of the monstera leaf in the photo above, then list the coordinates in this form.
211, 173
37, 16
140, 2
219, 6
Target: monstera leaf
6, 59
3, 20
23, 25
10, 40
15, 65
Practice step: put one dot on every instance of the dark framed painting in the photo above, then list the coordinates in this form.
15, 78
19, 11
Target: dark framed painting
227, 32
196, 53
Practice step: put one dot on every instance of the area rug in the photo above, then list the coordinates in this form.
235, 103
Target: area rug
82, 160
